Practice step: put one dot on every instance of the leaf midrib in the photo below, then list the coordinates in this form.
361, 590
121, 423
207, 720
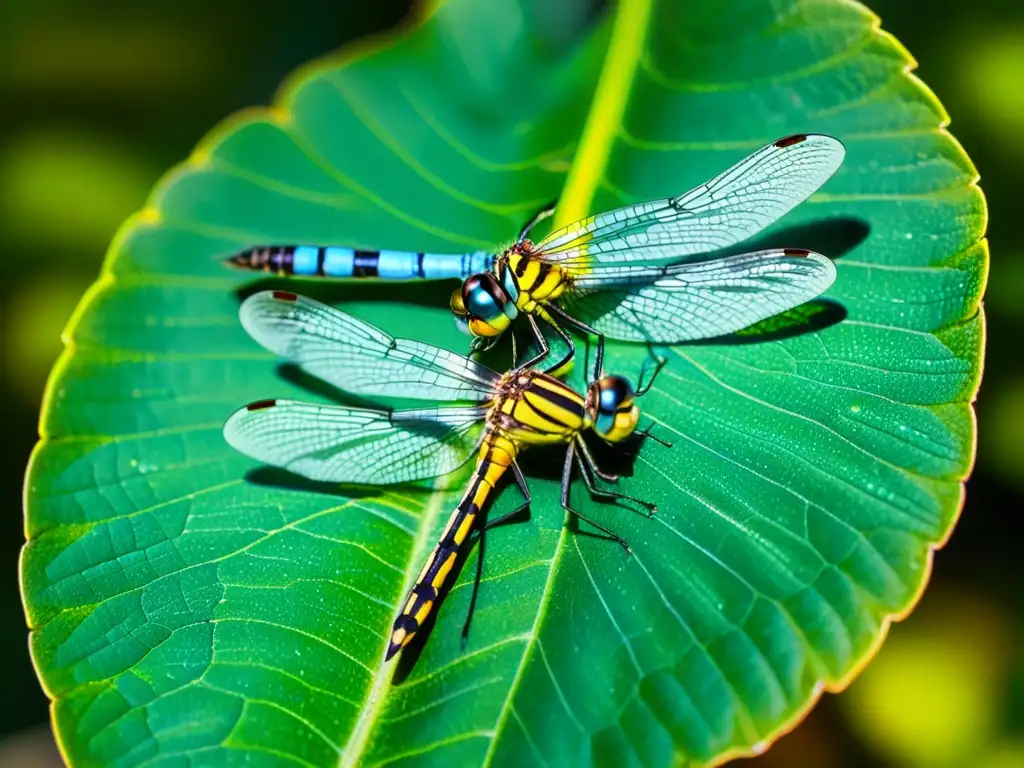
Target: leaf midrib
629, 32
531, 646
355, 745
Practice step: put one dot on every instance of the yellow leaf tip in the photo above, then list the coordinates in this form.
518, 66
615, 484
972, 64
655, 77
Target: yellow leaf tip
150, 215
200, 158
280, 116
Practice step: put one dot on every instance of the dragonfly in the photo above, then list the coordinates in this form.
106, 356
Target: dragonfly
631, 274
486, 414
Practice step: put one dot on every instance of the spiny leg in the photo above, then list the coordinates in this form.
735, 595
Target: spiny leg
539, 216
566, 483
641, 388
646, 432
568, 355
592, 463
518, 511
599, 359
579, 325
587, 465
524, 507
544, 348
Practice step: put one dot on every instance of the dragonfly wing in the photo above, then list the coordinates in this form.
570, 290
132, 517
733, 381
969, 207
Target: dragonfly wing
682, 302
356, 445
733, 206
358, 357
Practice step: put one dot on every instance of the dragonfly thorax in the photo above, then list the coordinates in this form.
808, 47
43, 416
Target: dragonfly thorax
534, 408
537, 281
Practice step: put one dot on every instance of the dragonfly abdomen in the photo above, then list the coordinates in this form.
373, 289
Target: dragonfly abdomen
496, 455
336, 261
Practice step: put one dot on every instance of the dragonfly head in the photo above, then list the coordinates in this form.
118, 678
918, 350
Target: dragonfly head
611, 408
483, 308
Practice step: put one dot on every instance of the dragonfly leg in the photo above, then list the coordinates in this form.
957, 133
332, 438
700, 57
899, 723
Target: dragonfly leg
539, 216
587, 465
524, 507
515, 355
518, 511
572, 322
641, 388
566, 483
585, 449
568, 356
646, 432
545, 350
476, 587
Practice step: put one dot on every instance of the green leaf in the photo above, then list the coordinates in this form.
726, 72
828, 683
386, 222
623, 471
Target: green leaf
188, 606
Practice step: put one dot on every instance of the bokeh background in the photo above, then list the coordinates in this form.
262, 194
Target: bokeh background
98, 100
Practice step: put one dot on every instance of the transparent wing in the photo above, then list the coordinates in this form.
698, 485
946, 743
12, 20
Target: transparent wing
356, 445
682, 302
357, 357
733, 206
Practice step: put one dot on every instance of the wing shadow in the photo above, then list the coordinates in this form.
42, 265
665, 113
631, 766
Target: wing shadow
833, 237
275, 477
425, 293
810, 317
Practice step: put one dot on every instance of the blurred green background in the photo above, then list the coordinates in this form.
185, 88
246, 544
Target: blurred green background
99, 101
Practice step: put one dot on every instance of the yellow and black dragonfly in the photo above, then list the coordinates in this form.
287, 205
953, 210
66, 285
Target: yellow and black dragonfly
504, 415
632, 273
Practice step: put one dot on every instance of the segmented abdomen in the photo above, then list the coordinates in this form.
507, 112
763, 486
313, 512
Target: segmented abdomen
496, 455
335, 261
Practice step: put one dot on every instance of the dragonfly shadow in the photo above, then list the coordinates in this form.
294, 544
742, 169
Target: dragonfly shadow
833, 237
426, 293
294, 374
813, 316
274, 477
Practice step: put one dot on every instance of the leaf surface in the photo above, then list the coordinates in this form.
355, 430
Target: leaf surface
188, 606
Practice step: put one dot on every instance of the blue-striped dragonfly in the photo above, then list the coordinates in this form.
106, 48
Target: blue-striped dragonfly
499, 416
596, 275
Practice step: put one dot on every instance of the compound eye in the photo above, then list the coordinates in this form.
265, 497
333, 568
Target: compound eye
479, 327
614, 392
456, 303
482, 296
615, 414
